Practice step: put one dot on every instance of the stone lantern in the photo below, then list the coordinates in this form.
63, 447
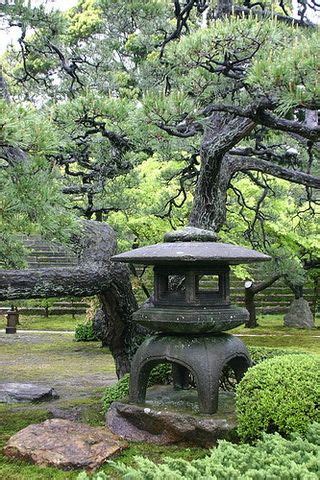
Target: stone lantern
12, 320
189, 321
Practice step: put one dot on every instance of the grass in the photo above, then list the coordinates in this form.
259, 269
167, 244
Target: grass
272, 333
53, 322
53, 357
71, 366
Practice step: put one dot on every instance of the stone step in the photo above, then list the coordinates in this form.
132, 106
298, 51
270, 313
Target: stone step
49, 254
70, 304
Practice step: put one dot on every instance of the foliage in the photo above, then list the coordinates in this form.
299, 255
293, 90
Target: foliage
161, 374
260, 354
283, 226
84, 333
95, 476
31, 197
101, 95
280, 394
272, 457
116, 392
140, 198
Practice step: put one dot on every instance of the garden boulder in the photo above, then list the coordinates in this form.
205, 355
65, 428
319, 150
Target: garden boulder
64, 444
299, 314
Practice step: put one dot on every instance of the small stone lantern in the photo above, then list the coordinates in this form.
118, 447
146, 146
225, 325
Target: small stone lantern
12, 320
189, 321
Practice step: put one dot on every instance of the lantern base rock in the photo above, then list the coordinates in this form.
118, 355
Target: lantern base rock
171, 416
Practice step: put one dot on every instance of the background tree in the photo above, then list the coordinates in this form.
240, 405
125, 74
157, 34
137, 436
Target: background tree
223, 89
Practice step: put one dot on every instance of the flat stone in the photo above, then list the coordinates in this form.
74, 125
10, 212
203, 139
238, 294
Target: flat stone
73, 414
171, 416
64, 444
299, 314
25, 392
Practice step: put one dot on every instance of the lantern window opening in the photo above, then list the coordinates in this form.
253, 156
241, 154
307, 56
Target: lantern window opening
183, 286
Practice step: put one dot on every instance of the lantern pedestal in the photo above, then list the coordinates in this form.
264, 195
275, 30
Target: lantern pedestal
204, 356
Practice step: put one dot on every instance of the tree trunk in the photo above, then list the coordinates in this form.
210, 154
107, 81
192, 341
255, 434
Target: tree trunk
251, 289
315, 298
94, 274
222, 132
209, 207
118, 304
251, 307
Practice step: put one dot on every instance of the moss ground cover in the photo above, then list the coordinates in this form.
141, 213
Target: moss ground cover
53, 322
272, 333
81, 371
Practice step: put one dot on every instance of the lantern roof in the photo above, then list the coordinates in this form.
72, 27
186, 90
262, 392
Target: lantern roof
191, 253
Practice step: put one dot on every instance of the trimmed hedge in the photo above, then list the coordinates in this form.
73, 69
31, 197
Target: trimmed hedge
281, 394
259, 354
272, 458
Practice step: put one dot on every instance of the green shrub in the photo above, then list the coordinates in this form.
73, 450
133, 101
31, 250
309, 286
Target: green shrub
228, 380
281, 394
115, 392
161, 374
272, 458
259, 354
84, 333
96, 476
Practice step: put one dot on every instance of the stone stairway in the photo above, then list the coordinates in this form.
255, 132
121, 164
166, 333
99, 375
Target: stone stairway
44, 254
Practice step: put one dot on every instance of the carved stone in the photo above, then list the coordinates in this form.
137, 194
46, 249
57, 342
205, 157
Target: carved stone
190, 307
204, 356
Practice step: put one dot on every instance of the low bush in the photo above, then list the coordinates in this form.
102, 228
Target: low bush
228, 380
116, 392
259, 354
281, 394
161, 374
84, 333
273, 457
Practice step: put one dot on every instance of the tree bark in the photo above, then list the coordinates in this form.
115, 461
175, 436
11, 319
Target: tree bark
315, 298
222, 132
251, 307
95, 274
251, 289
